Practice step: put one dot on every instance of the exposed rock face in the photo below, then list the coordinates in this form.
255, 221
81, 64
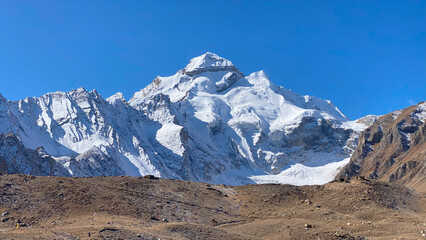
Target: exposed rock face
393, 149
16, 158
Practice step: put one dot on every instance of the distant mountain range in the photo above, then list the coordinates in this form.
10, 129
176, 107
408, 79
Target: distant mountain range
208, 122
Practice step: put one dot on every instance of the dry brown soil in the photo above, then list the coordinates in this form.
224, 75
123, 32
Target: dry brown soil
143, 208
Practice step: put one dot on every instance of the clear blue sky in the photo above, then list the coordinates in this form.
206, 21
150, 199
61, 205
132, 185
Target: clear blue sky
368, 57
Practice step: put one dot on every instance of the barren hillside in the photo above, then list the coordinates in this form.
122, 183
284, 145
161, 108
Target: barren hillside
150, 208
393, 149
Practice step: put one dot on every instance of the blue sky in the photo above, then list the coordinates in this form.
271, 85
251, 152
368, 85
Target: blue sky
368, 57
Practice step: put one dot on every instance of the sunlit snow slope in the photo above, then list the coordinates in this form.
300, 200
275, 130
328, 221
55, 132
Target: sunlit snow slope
208, 122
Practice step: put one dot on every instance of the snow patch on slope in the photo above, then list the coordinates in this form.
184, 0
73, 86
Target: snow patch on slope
299, 174
421, 112
169, 137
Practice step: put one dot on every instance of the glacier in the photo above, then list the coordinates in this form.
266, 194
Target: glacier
208, 122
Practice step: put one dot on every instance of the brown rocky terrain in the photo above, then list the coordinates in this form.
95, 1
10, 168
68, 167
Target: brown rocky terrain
393, 149
150, 208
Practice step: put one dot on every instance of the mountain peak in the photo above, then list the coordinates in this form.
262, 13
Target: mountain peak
116, 97
208, 62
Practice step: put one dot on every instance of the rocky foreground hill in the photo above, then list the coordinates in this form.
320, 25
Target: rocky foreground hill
150, 208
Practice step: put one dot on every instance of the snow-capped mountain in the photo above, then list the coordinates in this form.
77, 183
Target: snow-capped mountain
208, 122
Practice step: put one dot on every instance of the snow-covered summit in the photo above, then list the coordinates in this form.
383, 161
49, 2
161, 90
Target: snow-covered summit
116, 97
267, 127
208, 62
206, 73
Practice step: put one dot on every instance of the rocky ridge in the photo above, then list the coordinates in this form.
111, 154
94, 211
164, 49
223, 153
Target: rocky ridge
393, 149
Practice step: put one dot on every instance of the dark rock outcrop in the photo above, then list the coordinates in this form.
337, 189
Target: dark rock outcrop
16, 158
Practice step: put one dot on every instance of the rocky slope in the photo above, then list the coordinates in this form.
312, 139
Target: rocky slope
208, 122
393, 149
